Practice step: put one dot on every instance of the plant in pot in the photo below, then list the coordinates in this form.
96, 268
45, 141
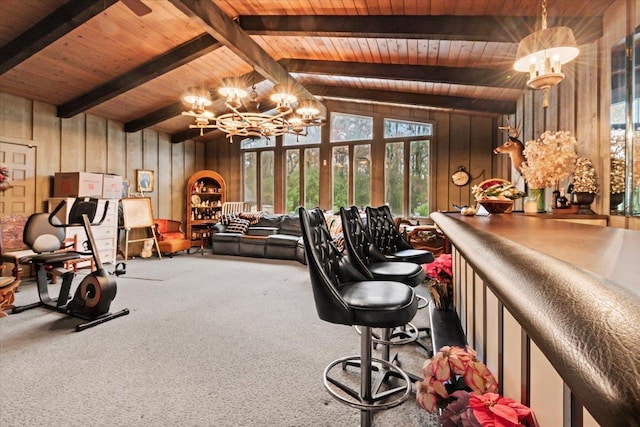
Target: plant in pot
464, 392
585, 185
439, 274
617, 185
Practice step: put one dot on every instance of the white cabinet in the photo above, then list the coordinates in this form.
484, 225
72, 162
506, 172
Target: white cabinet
105, 235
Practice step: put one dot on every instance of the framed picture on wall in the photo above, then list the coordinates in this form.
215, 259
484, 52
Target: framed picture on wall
145, 180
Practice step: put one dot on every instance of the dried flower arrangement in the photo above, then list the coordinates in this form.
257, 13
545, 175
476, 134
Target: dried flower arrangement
584, 178
617, 175
550, 158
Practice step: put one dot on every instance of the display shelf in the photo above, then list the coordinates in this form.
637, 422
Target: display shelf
205, 195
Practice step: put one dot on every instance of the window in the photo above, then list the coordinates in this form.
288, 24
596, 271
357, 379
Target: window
347, 127
407, 187
258, 179
394, 176
311, 177
398, 129
401, 149
313, 136
267, 197
362, 175
249, 143
292, 180
419, 154
340, 163
250, 178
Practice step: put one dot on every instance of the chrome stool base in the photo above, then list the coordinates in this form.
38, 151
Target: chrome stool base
379, 399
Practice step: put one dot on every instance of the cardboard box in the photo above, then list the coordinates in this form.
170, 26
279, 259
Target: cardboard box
111, 186
77, 184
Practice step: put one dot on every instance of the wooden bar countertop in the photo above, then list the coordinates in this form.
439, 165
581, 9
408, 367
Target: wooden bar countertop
613, 253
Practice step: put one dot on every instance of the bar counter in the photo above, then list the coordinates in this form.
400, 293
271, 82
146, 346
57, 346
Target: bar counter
612, 253
553, 308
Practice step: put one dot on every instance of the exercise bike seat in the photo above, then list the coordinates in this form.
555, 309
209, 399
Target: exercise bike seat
45, 240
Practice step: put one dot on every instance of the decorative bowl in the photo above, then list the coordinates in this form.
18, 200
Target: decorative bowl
497, 206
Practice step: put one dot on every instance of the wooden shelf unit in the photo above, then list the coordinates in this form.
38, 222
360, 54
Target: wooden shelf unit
206, 192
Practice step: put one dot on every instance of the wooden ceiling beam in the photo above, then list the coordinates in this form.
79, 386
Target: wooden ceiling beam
159, 65
491, 77
52, 27
165, 113
510, 29
219, 25
416, 99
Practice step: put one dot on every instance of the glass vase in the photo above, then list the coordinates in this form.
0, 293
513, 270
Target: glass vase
538, 195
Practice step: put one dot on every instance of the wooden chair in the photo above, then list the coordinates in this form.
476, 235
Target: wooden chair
8, 287
234, 207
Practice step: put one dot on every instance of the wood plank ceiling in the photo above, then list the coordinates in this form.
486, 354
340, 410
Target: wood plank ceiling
103, 58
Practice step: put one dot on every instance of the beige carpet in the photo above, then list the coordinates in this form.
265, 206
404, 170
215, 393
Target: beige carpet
222, 341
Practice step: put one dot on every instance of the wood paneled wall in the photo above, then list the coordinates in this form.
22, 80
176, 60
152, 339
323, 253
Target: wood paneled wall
580, 105
89, 143
460, 139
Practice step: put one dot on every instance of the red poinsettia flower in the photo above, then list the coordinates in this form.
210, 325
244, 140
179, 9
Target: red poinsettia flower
491, 409
440, 269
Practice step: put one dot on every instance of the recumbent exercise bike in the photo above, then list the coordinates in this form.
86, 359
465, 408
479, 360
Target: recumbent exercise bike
44, 234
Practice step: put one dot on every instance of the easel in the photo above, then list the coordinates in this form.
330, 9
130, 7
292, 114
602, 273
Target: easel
137, 213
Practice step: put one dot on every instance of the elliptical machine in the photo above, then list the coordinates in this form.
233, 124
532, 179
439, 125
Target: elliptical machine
44, 234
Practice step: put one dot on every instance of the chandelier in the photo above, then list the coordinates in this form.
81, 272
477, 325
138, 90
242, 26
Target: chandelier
543, 53
247, 120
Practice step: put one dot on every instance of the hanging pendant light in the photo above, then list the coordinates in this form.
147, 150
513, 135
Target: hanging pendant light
543, 53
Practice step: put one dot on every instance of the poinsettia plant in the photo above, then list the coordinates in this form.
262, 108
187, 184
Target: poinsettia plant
439, 274
463, 389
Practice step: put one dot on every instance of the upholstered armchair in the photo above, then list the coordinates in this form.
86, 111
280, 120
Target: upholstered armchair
170, 236
167, 229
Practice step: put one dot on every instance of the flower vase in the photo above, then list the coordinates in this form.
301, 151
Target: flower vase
538, 195
584, 201
614, 200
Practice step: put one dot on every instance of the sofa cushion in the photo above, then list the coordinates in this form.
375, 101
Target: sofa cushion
290, 225
283, 240
255, 230
226, 237
238, 225
268, 220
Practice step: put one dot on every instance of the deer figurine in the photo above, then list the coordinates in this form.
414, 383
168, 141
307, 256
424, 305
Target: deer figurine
513, 147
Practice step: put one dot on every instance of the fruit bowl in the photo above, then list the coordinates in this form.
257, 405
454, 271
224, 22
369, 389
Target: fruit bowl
497, 206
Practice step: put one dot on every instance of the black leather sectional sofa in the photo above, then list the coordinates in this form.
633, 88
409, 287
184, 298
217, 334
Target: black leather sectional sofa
270, 236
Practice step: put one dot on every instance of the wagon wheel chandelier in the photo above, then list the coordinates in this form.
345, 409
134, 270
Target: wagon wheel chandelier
250, 121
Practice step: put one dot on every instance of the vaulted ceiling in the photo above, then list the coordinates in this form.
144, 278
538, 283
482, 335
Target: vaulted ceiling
131, 60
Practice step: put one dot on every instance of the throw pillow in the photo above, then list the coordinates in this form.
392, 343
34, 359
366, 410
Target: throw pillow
226, 218
253, 217
339, 242
238, 225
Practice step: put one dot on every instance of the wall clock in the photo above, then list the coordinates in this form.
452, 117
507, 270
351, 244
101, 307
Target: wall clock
461, 177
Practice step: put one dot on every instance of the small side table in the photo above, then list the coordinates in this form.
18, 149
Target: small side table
202, 234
